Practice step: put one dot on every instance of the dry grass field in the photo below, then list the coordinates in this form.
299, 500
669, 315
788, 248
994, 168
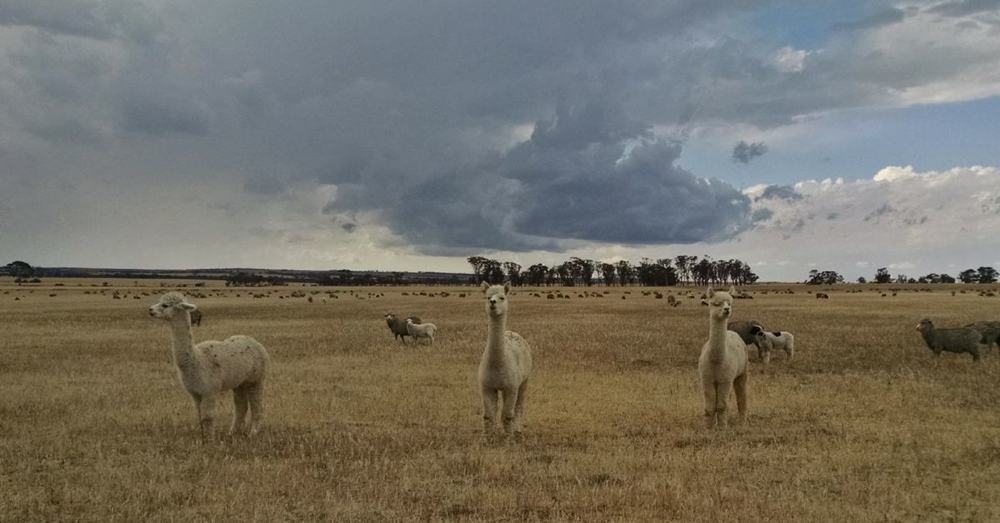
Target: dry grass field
865, 424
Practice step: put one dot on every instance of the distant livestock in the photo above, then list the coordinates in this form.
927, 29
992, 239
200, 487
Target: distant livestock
771, 341
398, 325
989, 330
960, 340
421, 330
822, 296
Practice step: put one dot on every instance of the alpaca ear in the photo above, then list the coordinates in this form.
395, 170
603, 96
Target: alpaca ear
187, 306
484, 286
506, 287
710, 292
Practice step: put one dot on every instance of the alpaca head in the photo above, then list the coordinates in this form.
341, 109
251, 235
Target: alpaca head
170, 307
925, 325
496, 299
720, 304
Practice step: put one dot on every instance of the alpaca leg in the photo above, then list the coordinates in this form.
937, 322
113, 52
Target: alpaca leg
207, 415
489, 410
241, 402
255, 394
766, 357
519, 407
509, 401
722, 390
740, 385
709, 389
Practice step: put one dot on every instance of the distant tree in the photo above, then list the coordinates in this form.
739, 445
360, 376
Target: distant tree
537, 274
513, 270
477, 263
861, 279
565, 272
945, 278
969, 276
882, 275
683, 264
585, 270
492, 271
626, 274
987, 274
20, 270
817, 277
607, 273
902, 278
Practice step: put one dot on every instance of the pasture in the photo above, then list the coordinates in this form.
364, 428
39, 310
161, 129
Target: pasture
865, 423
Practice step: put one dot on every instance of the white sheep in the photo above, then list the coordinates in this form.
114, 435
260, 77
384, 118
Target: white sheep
723, 362
504, 367
211, 368
421, 330
768, 341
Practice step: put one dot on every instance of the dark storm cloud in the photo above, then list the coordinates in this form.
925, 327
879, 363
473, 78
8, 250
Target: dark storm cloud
882, 18
416, 110
743, 152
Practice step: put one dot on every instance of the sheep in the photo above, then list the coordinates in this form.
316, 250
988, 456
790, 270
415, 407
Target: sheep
723, 362
398, 326
422, 330
951, 340
504, 367
210, 368
768, 341
989, 330
196, 317
745, 330
822, 295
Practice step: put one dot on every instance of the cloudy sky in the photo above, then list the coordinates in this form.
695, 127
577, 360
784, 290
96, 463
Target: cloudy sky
406, 135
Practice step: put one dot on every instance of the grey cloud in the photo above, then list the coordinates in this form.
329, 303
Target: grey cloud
82, 18
164, 116
779, 192
965, 7
743, 152
882, 18
266, 186
761, 214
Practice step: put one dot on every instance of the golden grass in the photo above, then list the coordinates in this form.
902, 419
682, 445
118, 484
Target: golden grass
865, 424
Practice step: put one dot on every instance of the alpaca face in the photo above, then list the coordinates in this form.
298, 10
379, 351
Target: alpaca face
925, 325
496, 299
720, 304
170, 305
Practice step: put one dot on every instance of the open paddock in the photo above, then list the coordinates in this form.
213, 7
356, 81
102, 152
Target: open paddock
864, 424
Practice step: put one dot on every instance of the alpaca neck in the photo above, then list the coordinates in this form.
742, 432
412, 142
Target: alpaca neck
495, 340
717, 338
184, 352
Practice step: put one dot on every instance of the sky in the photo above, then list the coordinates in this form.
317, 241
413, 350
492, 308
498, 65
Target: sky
401, 135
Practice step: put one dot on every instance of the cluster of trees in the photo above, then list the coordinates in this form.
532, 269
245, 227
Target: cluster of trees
582, 271
22, 272
247, 279
983, 274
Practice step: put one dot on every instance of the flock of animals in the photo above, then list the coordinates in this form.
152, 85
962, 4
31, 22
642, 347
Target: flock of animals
239, 363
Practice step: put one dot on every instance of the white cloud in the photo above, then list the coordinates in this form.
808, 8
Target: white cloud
789, 59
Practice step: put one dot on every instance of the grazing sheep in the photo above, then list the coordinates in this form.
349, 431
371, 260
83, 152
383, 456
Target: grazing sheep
723, 363
746, 331
951, 340
211, 368
822, 295
398, 326
196, 317
421, 330
768, 341
989, 330
504, 367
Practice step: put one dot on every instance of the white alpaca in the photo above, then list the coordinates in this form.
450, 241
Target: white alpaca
769, 341
723, 362
210, 368
505, 366
420, 330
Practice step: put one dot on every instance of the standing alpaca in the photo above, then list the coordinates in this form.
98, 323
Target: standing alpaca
210, 368
505, 365
723, 361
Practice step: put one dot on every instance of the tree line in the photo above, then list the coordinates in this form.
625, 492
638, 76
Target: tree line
984, 274
586, 272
